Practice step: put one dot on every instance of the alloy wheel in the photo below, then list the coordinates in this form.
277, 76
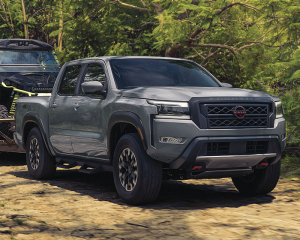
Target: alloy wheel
34, 155
128, 169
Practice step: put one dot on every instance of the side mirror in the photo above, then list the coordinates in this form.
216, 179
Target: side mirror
92, 87
228, 85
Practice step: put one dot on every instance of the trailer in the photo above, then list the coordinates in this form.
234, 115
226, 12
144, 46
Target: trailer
28, 67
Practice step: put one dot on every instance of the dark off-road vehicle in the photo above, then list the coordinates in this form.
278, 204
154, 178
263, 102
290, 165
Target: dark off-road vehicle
149, 118
27, 68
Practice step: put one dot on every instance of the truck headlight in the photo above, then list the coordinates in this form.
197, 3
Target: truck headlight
165, 109
278, 110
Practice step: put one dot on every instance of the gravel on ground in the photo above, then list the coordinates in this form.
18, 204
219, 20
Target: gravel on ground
78, 206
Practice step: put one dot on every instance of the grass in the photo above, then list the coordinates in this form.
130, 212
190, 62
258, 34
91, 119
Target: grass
12, 237
42, 223
290, 166
2, 204
18, 221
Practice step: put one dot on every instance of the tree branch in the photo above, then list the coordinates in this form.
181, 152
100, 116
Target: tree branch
215, 46
229, 38
172, 51
37, 12
12, 32
256, 39
233, 4
221, 66
210, 55
149, 23
196, 55
93, 14
253, 43
132, 6
144, 4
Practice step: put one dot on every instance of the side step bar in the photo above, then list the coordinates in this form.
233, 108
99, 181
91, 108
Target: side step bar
89, 167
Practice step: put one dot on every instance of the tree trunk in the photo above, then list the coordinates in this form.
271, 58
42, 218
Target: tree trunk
61, 25
25, 20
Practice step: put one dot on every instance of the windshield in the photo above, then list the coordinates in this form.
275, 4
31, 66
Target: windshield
28, 62
132, 73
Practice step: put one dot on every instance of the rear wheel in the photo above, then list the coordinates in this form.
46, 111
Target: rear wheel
137, 177
39, 162
261, 181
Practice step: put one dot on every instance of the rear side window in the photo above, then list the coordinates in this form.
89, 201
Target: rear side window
69, 81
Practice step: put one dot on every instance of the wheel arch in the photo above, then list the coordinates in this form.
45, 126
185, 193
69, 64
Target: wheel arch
30, 121
120, 123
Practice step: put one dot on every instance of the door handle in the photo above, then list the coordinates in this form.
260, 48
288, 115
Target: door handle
53, 105
76, 106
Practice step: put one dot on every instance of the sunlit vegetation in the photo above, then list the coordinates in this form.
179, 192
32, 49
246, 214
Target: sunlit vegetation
247, 43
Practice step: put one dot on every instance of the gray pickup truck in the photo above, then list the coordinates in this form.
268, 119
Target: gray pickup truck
152, 118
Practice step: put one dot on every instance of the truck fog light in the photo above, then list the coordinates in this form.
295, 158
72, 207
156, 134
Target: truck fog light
282, 136
173, 140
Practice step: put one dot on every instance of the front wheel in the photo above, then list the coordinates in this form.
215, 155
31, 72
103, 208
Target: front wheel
39, 162
261, 181
137, 177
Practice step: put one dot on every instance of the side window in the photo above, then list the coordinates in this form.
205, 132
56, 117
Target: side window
70, 79
95, 72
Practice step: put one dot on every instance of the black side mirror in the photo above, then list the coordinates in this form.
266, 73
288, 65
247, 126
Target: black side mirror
228, 85
92, 87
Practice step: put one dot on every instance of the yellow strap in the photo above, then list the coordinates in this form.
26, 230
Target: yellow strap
18, 90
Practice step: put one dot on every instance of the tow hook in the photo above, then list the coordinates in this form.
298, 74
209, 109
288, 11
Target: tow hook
196, 168
263, 164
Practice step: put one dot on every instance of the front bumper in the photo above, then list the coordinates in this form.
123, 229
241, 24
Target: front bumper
196, 137
195, 153
238, 163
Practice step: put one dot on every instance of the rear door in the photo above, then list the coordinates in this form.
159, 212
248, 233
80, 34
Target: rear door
62, 110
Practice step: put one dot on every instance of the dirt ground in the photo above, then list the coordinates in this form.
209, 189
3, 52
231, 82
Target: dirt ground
79, 206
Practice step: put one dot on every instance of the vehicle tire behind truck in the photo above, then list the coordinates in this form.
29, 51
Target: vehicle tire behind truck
137, 177
261, 181
39, 162
4, 126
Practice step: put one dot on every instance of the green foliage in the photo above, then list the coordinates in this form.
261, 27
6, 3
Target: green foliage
248, 43
290, 165
19, 221
2, 204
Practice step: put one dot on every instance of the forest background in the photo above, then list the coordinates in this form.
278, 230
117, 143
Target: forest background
248, 43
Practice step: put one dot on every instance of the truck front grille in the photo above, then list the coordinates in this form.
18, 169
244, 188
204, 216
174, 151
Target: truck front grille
236, 115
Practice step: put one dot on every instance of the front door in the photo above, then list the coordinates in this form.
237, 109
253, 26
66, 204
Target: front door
62, 111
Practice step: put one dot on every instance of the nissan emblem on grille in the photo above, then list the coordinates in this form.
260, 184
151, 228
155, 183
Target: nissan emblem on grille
239, 112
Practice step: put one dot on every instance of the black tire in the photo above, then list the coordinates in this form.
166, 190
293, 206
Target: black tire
138, 178
39, 162
261, 181
4, 126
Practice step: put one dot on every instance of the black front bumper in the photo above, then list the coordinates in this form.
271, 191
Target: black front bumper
236, 157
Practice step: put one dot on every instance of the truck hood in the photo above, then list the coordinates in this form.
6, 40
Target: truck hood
186, 93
